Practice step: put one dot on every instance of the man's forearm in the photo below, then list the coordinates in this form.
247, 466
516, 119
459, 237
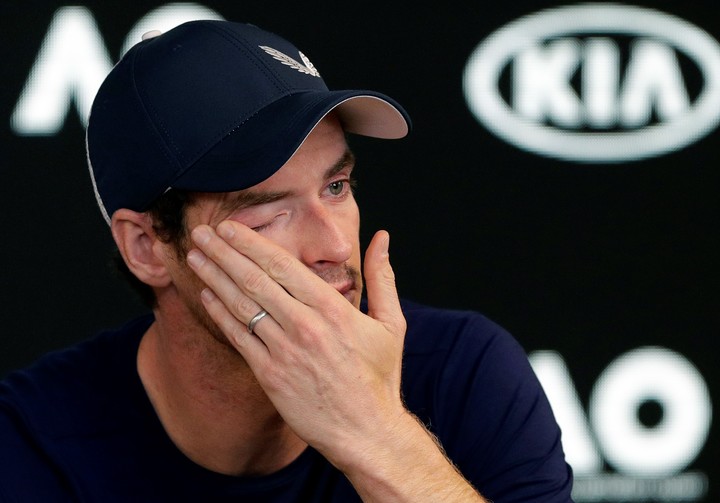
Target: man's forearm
406, 464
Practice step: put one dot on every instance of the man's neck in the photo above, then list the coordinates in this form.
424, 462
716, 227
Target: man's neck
211, 405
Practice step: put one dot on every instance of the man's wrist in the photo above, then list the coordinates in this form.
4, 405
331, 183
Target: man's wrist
403, 461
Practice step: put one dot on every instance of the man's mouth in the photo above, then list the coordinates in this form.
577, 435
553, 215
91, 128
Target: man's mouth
344, 281
347, 289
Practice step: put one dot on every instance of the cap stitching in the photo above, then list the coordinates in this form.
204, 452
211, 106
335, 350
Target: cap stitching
241, 44
278, 81
167, 143
156, 121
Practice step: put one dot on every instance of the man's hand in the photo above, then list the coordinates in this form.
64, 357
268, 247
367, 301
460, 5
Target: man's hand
331, 371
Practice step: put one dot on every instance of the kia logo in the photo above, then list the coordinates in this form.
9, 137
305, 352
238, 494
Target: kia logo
575, 95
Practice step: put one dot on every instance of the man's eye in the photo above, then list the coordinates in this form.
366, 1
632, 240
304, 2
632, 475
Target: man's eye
337, 188
261, 227
341, 187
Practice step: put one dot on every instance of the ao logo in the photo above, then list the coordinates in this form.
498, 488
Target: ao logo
613, 428
610, 118
73, 61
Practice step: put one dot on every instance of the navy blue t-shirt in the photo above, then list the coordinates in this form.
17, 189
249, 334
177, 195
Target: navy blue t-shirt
78, 426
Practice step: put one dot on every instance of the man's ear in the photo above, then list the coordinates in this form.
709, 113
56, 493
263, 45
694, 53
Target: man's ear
136, 239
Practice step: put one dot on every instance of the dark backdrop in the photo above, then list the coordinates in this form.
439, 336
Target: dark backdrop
589, 260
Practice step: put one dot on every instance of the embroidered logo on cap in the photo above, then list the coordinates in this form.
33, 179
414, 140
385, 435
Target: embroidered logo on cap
307, 67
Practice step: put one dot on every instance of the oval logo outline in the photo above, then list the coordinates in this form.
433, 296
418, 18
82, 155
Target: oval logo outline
487, 60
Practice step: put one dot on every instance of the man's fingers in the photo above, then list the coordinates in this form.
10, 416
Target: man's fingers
246, 280
248, 345
243, 256
278, 264
383, 301
242, 306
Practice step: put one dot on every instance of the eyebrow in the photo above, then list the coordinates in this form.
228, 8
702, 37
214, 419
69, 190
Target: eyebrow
250, 197
346, 161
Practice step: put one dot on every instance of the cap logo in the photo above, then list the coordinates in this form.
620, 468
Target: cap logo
307, 67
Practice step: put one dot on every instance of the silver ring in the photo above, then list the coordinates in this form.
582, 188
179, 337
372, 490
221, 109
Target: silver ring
254, 321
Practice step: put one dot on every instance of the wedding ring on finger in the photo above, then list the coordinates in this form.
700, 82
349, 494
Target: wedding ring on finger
254, 321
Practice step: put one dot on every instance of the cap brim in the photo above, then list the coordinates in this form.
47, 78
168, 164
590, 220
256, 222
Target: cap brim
257, 148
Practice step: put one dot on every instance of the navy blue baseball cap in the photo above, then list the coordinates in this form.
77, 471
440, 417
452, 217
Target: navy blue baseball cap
214, 106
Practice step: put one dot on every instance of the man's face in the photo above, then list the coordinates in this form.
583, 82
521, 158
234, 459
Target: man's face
307, 207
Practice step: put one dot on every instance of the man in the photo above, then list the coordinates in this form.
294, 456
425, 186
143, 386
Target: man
219, 159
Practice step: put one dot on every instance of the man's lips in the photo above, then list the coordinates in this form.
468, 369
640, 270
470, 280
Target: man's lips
344, 280
346, 288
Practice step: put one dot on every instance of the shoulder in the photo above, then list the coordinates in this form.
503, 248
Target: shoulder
471, 382
25, 474
47, 395
467, 360
460, 341
48, 407
458, 334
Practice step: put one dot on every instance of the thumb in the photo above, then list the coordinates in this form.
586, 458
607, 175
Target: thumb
383, 301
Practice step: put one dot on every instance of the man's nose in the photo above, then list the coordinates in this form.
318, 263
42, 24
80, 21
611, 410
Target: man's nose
326, 236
